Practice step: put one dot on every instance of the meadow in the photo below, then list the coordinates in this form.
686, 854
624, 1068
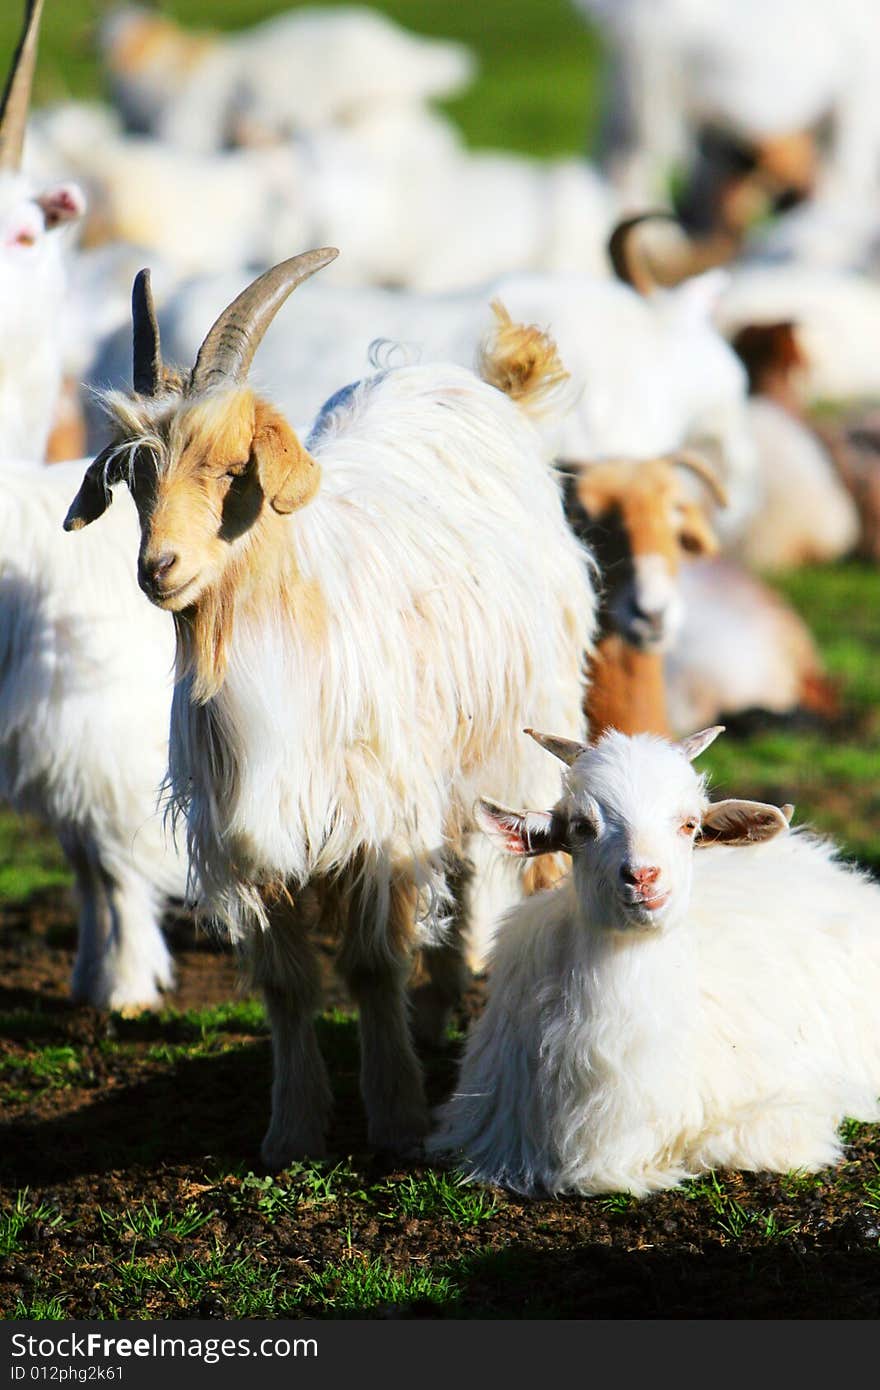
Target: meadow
130, 1183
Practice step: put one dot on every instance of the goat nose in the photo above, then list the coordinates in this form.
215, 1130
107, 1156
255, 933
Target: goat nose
153, 571
640, 877
160, 566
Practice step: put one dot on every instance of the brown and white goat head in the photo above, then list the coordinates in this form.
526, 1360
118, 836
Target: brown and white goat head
210, 467
641, 521
205, 459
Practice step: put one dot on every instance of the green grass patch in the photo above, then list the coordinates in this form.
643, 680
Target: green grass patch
433, 1194
359, 1285
149, 1221
40, 1307
23, 1216
30, 858
302, 1184
730, 1217
244, 1285
47, 1068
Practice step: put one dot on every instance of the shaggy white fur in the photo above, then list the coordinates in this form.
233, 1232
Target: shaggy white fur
663, 1012
86, 670
385, 635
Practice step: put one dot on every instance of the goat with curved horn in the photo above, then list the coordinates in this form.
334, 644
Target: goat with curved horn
228, 350
146, 371
17, 95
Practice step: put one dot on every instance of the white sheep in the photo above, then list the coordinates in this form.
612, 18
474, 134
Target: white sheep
358, 621
32, 278
662, 1012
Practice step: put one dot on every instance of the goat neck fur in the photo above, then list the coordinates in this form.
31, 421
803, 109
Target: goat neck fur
626, 1049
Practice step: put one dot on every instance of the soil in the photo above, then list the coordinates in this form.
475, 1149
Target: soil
130, 1127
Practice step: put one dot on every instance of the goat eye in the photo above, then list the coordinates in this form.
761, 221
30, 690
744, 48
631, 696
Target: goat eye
235, 470
581, 828
689, 826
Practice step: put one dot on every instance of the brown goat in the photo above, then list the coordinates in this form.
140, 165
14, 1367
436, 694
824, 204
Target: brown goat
640, 521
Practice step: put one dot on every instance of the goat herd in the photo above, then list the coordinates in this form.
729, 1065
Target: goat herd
396, 597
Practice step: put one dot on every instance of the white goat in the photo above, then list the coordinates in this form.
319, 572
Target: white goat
663, 352
661, 1013
753, 72
32, 279
301, 70
86, 672
741, 647
350, 655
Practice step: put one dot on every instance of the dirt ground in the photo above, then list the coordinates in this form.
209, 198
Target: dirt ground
136, 1124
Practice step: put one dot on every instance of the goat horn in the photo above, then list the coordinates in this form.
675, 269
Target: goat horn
688, 458
634, 263
146, 367
228, 350
16, 97
565, 749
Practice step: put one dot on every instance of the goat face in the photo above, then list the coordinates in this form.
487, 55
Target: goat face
631, 813
26, 216
202, 456
640, 522
201, 479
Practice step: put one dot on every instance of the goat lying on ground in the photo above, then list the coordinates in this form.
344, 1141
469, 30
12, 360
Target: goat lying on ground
662, 1012
806, 514
360, 622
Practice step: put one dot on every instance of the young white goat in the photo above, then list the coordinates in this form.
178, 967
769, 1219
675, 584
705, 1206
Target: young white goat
32, 277
665, 1011
358, 621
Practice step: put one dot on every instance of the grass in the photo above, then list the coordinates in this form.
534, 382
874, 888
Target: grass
730, 1217
25, 1214
47, 1067
360, 1285
148, 1221
437, 1194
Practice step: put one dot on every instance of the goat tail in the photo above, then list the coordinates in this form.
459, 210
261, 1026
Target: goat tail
523, 361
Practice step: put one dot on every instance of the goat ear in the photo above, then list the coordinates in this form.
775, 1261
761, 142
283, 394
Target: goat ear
94, 496
64, 203
695, 744
695, 535
524, 833
742, 823
289, 476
